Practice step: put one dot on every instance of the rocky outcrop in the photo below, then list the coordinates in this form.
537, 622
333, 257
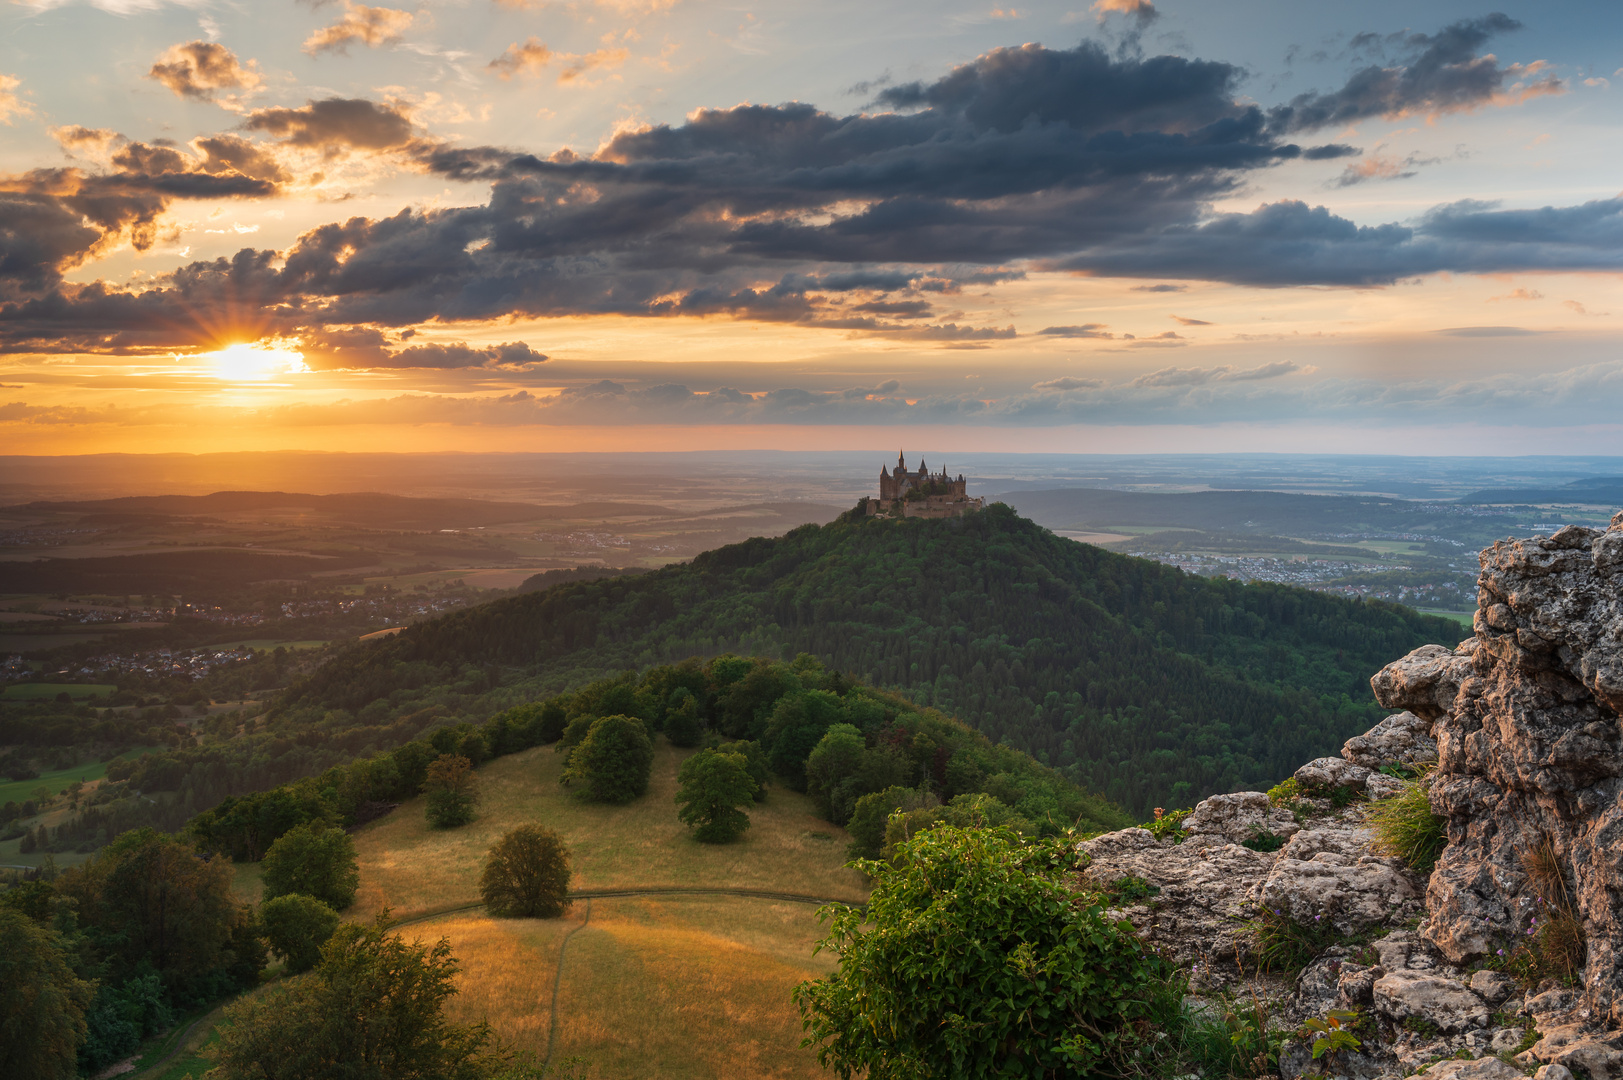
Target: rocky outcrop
1521, 724
1530, 756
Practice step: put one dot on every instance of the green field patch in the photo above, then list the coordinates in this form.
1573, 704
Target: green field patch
48, 691
1464, 618
19, 790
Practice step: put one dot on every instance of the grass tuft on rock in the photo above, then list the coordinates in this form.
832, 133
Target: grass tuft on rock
1406, 828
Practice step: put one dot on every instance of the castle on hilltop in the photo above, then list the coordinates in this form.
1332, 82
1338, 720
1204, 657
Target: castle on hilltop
920, 494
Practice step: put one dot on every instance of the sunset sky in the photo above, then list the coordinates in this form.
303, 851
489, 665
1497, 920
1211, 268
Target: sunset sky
671, 224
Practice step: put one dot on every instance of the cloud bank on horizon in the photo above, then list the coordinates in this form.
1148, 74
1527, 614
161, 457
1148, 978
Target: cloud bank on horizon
952, 210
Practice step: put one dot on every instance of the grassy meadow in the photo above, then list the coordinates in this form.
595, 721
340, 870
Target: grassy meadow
414, 869
663, 985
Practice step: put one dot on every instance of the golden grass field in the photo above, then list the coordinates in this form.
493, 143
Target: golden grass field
414, 869
652, 986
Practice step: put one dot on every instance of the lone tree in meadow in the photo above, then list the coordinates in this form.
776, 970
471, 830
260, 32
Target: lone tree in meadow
297, 926
613, 761
313, 859
452, 791
527, 874
713, 787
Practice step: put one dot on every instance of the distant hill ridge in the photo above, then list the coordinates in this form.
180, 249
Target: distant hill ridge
365, 506
1147, 685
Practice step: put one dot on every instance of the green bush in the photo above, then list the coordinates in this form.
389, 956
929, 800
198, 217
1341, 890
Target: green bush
373, 1009
527, 874
316, 860
973, 958
1168, 823
452, 791
713, 786
1405, 826
872, 814
297, 926
613, 761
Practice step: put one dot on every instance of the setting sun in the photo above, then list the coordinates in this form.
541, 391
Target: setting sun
255, 361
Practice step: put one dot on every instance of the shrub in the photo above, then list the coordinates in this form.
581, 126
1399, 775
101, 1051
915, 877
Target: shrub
527, 874
1405, 826
314, 859
372, 1010
297, 926
613, 761
974, 959
1264, 841
713, 787
1168, 823
872, 813
452, 791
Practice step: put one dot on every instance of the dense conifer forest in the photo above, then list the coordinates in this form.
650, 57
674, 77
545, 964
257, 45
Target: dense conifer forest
1136, 680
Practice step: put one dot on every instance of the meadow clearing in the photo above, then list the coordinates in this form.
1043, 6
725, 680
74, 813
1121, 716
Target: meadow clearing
660, 985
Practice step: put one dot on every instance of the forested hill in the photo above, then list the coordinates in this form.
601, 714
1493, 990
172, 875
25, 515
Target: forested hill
1143, 683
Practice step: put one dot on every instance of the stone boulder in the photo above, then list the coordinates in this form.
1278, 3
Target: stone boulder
1327, 874
1236, 818
1445, 1003
1328, 773
1488, 1068
1401, 739
1199, 917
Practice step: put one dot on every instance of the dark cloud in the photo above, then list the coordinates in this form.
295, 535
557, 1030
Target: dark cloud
1189, 322
1069, 382
1069, 159
1086, 330
335, 126
1160, 288
1178, 377
200, 70
1443, 73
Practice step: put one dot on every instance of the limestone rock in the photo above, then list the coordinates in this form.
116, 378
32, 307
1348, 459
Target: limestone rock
1529, 751
1199, 917
1492, 986
1401, 739
1488, 1068
1553, 1072
1236, 818
1327, 873
1576, 1047
1329, 773
1400, 995
1425, 682
1381, 786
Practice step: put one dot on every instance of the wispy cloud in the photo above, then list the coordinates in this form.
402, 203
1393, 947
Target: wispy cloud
369, 26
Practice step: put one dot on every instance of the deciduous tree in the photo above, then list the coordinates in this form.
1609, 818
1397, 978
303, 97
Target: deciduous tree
297, 926
613, 761
713, 787
373, 1009
527, 874
42, 1002
452, 791
315, 859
